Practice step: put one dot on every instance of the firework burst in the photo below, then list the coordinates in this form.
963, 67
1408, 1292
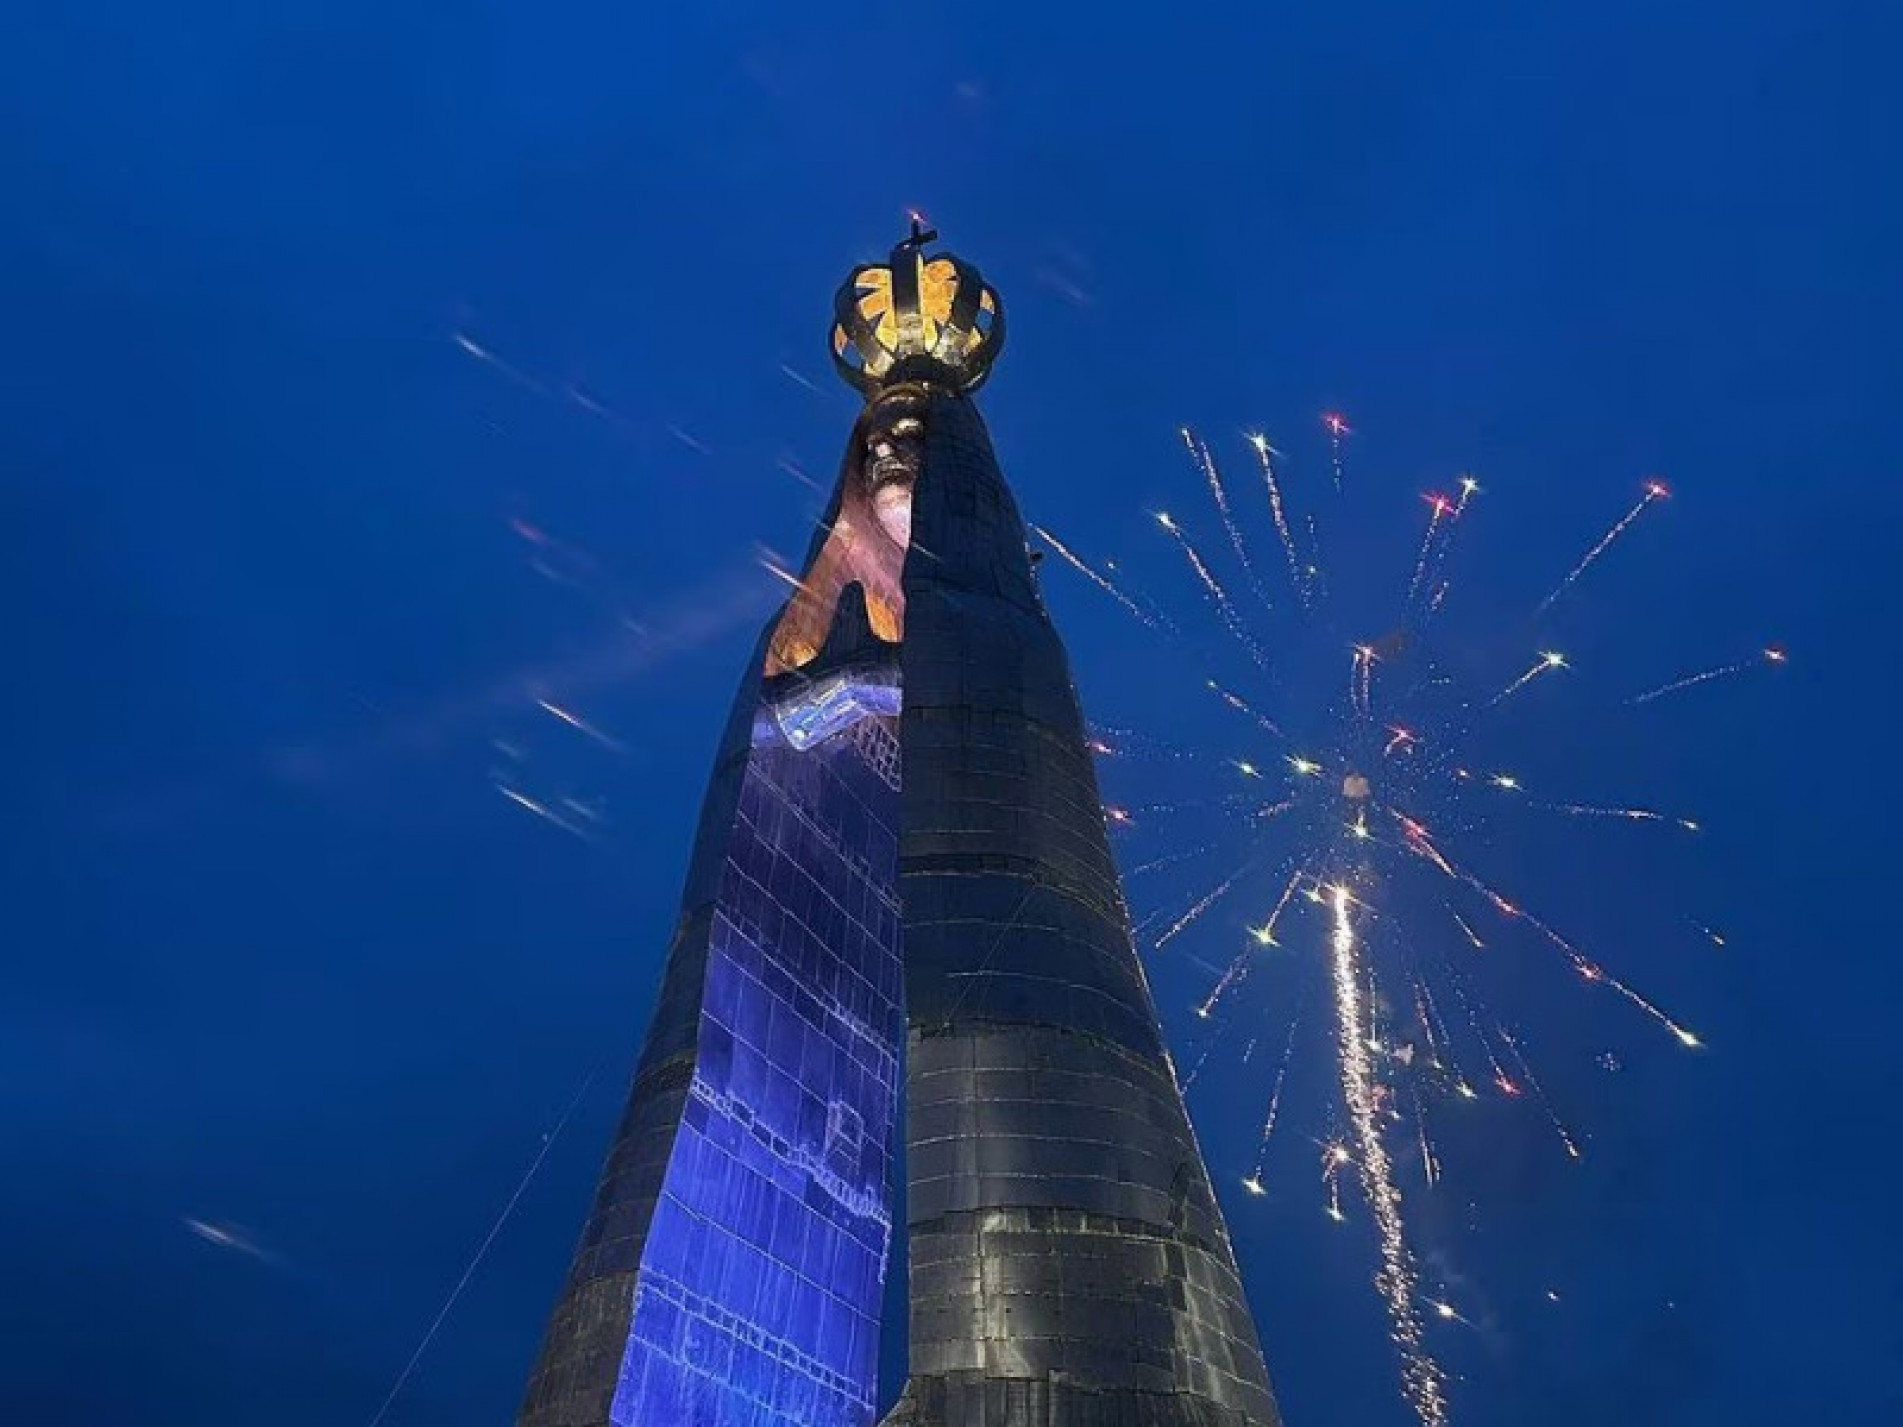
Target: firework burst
1377, 905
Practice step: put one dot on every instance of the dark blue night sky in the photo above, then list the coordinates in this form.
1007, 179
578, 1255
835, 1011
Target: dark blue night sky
279, 957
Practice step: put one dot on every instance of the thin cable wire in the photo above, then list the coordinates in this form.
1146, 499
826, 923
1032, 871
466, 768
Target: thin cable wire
548, 1143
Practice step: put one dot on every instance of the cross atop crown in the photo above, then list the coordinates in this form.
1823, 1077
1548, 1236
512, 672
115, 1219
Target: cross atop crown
921, 235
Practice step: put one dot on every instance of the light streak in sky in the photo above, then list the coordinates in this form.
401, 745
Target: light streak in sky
770, 561
687, 439
800, 379
580, 725
544, 811
1654, 491
489, 359
229, 1236
798, 473
1772, 655
576, 395
1102, 582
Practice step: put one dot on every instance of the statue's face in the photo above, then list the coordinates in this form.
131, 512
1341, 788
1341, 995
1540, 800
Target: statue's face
895, 453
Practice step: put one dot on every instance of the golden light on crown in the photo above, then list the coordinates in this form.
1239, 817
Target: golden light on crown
916, 318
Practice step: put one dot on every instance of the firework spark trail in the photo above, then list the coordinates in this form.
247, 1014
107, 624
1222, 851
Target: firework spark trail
1136, 932
1270, 811
1297, 582
1201, 905
1637, 815
1477, 1028
1244, 961
1266, 932
1337, 427
1654, 490
1205, 461
1133, 743
1469, 488
1442, 509
1156, 610
1318, 586
1333, 1158
1102, 582
1418, 842
1224, 606
1546, 663
1426, 1019
1430, 1162
1440, 1041
1254, 1182
1590, 970
1169, 859
1539, 1093
1203, 1059
1772, 655
1364, 669
1221, 800
1473, 937
1692, 680
1241, 705
1234, 975
1716, 938
1396, 1280
1462, 1085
